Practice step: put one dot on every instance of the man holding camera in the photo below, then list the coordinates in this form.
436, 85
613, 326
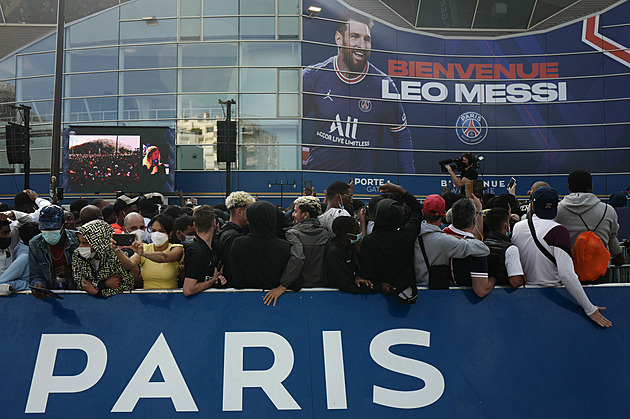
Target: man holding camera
469, 171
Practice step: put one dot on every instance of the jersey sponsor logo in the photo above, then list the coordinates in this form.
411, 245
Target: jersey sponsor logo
365, 105
350, 127
471, 128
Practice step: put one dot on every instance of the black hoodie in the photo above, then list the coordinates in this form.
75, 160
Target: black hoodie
259, 259
387, 253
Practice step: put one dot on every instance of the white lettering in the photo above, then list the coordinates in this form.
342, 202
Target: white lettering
385, 93
410, 90
44, 382
495, 93
336, 126
544, 92
426, 92
462, 91
235, 379
433, 379
334, 370
173, 387
518, 93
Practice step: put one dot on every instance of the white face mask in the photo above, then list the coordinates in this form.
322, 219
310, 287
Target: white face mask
159, 238
189, 239
86, 252
140, 235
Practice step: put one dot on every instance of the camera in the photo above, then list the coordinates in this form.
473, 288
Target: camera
457, 163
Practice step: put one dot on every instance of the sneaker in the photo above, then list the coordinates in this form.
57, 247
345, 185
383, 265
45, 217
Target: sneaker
408, 296
5, 289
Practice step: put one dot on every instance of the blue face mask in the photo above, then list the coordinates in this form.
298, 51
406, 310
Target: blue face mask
189, 239
357, 239
52, 237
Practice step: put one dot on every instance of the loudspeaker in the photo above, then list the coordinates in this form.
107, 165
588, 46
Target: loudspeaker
226, 141
17, 150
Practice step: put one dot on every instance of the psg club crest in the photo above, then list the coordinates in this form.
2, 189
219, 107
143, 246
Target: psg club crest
471, 128
365, 105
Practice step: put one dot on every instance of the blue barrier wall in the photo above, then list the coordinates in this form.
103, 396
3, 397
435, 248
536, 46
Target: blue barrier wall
517, 353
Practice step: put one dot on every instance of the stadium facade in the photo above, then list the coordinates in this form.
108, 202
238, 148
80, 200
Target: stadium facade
535, 104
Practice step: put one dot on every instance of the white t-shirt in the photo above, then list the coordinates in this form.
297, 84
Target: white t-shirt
513, 261
327, 218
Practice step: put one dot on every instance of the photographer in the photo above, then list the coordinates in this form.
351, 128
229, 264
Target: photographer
467, 166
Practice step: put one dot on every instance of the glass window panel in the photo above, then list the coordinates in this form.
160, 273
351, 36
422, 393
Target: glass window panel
90, 109
148, 107
30, 11
138, 9
7, 68
190, 29
257, 105
289, 80
41, 112
7, 92
258, 7
257, 28
190, 8
220, 28
450, 14
202, 106
220, 7
201, 55
288, 7
100, 29
208, 80
36, 64
506, 14
138, 32
262, 145
148, 56
258, 80
546, 8
91, 60
48, 43
288, 105
288, 28
36, 88
94, 84
148, 81
273, 54
407, 9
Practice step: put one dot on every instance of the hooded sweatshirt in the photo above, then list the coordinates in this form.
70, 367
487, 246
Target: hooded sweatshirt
305, 268
259, 259
98, 233
592, 210
387, 253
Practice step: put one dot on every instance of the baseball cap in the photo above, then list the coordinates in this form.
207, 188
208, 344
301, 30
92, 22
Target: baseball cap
434, 205
51, 218
545, 202
122, 202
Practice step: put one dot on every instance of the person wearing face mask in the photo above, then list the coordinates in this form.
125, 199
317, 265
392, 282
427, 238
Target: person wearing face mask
16, 275
305, 268
339, 198
95, 267
342, 269
504, 263
50, 253
134, 224
160, 260
184, 230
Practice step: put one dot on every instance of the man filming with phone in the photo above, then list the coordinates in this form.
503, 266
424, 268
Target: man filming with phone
468, 170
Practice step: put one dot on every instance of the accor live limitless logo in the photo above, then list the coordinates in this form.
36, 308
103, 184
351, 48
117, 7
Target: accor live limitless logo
509, 88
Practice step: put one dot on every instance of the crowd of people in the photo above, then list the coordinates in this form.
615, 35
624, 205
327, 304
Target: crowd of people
393, 245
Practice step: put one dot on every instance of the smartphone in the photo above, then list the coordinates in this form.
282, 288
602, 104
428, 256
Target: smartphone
512, 182
59, 193
449, 186
308, 187
48, 292
124, 239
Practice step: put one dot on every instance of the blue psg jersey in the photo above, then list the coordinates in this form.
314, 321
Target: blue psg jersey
350, 119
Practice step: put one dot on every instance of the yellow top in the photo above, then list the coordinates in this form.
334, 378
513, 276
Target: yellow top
159, 275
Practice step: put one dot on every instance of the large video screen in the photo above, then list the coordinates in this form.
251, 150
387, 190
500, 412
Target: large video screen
128, 159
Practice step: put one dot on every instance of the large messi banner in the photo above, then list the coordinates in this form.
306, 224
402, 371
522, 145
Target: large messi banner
385, 100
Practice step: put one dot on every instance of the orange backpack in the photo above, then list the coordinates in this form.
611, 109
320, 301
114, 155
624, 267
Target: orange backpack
590, 256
